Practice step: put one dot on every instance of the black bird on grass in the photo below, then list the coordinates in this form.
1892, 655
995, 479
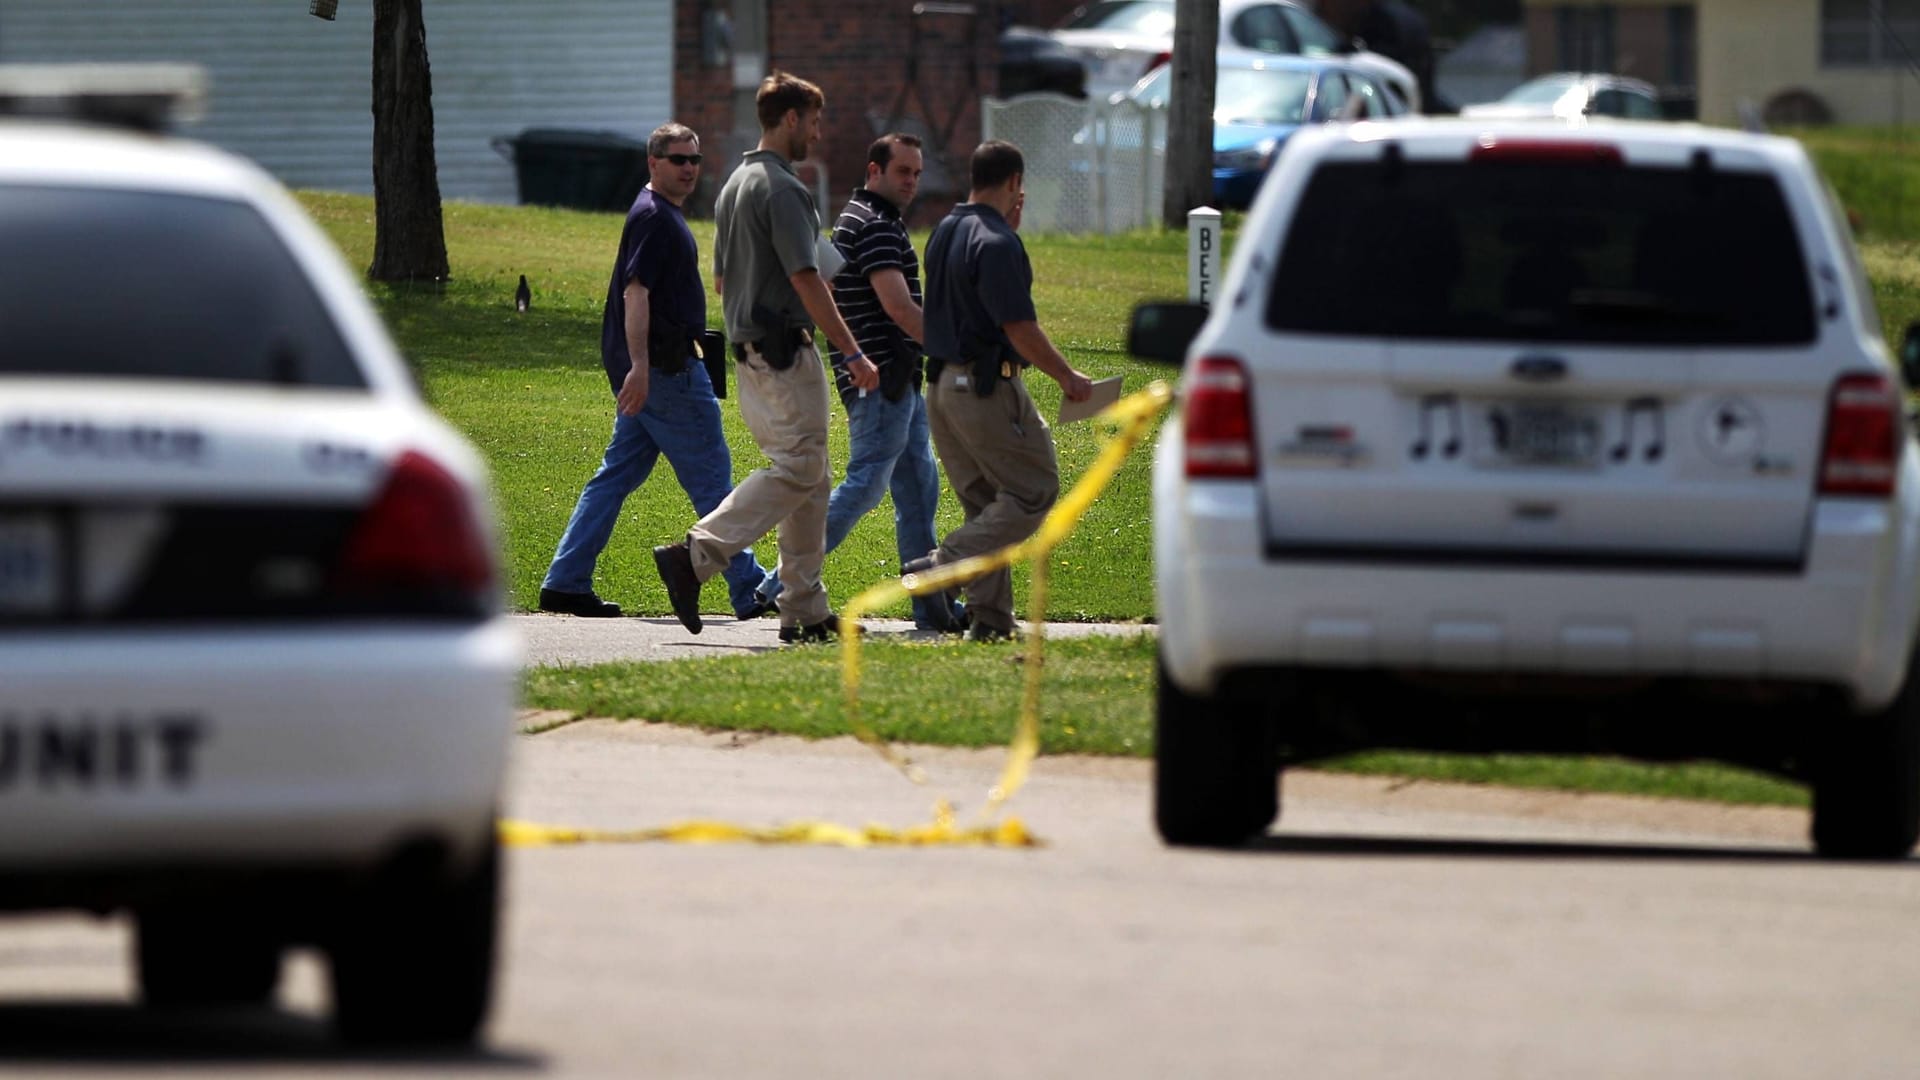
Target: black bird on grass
522, 296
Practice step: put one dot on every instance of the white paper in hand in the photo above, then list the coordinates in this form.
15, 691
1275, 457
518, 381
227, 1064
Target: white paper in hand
827, 258
1105, 392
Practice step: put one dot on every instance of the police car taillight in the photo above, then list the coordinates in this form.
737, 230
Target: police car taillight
418, 539
1865, 426
1218, 420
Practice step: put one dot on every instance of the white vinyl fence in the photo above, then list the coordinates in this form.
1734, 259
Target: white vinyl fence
1091, 166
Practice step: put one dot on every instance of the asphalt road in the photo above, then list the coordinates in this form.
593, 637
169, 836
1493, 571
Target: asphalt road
1383, 930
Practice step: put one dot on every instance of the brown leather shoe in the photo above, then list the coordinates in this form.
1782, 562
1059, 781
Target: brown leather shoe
675, 564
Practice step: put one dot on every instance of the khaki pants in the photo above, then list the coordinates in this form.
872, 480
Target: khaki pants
998, 455
787, 413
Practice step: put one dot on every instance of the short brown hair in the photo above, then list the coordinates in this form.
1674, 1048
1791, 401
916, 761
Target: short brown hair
994, 163
666, 135
780, 92
881, 152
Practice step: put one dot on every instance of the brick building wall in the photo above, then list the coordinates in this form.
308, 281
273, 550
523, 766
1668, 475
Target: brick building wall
702, 92
857, 52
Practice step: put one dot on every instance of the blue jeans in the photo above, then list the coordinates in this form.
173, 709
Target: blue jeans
892, 453
681, 420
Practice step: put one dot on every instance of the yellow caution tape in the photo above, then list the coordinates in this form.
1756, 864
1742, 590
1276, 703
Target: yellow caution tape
1008, 833
1132, 415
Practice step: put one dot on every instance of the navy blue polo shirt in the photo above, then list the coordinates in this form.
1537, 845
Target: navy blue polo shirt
978, 279
657, 250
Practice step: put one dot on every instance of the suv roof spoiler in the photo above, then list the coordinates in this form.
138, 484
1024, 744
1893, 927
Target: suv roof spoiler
145, 97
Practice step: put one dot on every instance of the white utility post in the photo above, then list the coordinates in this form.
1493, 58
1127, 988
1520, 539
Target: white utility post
1203, 253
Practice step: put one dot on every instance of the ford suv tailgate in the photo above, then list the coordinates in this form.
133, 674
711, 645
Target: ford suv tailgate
1561, 358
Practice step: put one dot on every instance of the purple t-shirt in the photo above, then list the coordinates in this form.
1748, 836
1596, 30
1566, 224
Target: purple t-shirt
656, 250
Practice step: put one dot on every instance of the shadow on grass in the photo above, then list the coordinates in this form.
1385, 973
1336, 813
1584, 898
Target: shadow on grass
80, 1031
1430, 847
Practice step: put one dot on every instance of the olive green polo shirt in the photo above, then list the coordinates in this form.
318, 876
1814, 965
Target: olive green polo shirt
766, 226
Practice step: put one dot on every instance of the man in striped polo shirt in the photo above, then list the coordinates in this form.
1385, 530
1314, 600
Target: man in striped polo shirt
878, 294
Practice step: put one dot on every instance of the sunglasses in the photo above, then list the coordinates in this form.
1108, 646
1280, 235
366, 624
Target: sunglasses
684, 159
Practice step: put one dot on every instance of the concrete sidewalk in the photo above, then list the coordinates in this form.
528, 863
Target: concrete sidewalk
565, 639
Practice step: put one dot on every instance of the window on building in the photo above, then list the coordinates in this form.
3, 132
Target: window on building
1583, 38
1680, 45
1869, 33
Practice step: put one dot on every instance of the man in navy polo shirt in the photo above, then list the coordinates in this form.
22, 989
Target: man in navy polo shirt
656, 307
981, 334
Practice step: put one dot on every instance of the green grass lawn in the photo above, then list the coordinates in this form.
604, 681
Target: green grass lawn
1097, 699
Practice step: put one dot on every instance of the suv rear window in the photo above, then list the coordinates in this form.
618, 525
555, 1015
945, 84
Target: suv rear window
1543, 251
153, 285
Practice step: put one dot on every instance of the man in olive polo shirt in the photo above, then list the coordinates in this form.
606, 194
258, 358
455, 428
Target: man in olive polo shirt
981, 332
765, 264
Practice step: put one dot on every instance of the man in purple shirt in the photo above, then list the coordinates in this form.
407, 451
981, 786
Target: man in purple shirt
656, 308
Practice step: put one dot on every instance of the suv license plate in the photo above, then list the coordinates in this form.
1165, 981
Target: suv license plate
1525, 434
30, 571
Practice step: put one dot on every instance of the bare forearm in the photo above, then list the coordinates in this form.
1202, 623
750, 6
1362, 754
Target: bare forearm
1037, 349
897, 301
638, 322
819, 304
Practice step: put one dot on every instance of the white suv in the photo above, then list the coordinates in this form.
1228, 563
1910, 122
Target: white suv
255, 685
1513, 438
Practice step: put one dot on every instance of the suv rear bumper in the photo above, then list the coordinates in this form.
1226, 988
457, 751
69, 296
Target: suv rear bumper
1843, 619
136, 749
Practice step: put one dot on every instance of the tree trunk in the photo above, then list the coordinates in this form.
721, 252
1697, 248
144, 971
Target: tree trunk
408, 241
1196, 38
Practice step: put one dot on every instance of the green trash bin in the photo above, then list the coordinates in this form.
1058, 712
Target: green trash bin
584, 170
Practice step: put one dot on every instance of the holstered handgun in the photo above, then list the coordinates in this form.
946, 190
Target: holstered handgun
668, 345
781, 339
901, 372
988, 362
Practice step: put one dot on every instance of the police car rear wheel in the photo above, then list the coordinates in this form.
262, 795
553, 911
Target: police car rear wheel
192, 957
1215, 778
412, 957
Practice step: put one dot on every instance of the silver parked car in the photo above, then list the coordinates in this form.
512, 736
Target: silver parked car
1570, 95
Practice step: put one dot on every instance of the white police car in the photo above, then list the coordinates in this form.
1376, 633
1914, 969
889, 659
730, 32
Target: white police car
255, 686
1510, 438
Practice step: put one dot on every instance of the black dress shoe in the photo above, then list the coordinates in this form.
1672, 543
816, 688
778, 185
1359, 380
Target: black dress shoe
675, 564
940, 604
824, 630
983, 632
584, 604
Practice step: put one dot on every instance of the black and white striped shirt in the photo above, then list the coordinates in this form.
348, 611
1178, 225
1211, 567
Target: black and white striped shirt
871, 238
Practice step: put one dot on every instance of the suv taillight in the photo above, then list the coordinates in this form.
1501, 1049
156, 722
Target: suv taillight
1864, 429
418, 541
1543, 152
1219, 420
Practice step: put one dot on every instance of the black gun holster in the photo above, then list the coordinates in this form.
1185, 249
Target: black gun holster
668, 345
781, 339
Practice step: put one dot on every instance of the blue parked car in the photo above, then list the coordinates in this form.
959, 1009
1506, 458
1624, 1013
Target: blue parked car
1257, 104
